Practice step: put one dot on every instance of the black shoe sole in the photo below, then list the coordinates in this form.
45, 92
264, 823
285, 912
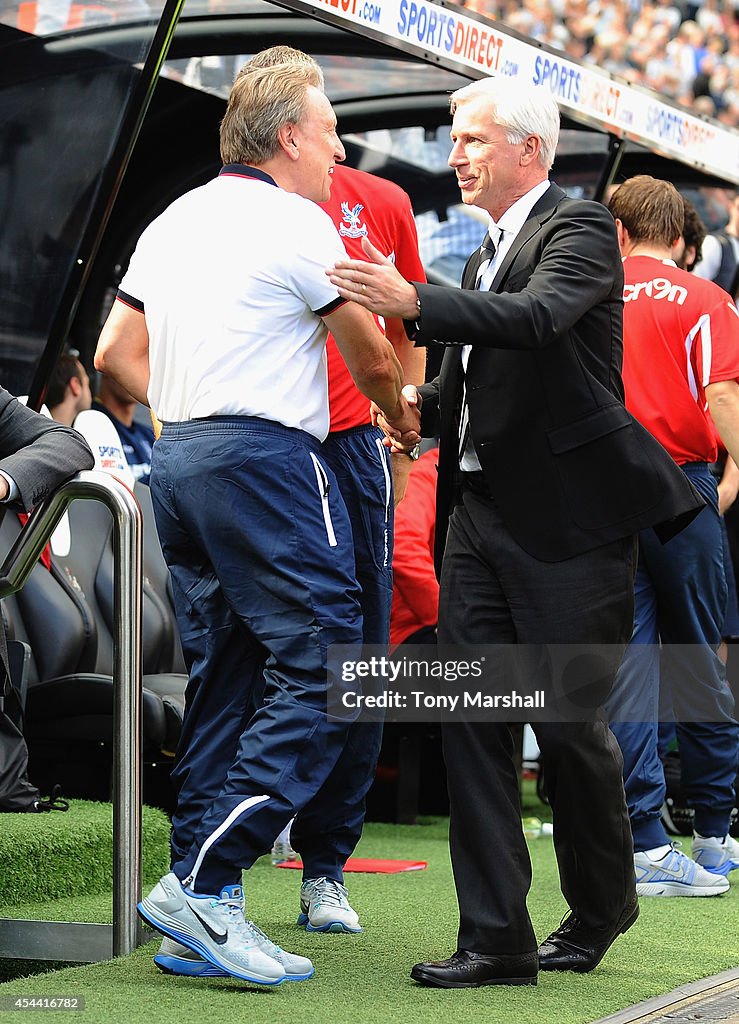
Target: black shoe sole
430, 982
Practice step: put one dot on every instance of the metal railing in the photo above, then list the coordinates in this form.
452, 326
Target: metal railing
61, 940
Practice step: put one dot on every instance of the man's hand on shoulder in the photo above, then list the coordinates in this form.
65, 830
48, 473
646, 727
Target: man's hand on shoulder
375, 284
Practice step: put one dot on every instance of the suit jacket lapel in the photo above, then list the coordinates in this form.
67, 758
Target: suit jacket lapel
469, 274
541, 212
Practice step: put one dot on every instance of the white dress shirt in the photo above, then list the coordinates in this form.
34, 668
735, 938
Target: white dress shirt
12, 488
503, 234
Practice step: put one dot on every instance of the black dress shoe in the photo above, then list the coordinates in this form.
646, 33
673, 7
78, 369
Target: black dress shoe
575, 947
465, 969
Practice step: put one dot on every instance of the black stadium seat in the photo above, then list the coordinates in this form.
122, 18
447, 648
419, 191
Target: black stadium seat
90, 564
66, 616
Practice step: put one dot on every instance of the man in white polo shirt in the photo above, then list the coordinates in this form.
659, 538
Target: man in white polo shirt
221, 327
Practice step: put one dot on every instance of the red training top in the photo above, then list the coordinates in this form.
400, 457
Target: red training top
415, 587
681, 333
363, 204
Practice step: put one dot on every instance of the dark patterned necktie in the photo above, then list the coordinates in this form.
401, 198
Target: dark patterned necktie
487, 254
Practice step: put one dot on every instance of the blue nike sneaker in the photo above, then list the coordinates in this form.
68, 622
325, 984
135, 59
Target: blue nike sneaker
214, 927
675, 874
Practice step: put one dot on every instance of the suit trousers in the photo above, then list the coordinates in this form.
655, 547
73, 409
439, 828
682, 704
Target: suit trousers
494, 592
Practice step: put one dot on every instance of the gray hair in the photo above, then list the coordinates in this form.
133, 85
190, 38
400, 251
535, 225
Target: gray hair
261, 102
280, 55
521, 110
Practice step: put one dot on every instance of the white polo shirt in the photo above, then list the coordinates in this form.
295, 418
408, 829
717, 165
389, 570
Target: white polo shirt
231, 279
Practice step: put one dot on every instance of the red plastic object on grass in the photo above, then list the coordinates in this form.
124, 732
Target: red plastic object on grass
368, 865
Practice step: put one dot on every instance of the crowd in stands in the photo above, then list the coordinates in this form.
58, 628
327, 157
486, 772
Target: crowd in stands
687, 51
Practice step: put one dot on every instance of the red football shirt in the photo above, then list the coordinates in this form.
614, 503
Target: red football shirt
363, 204
415, 587
681, 333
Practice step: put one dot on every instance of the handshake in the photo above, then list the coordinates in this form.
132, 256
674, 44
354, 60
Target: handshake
402, 430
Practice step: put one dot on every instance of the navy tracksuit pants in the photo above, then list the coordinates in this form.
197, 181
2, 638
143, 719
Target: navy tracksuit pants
328, 829
259, 546
680, 601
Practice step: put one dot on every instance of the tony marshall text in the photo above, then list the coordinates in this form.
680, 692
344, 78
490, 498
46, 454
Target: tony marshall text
443, 701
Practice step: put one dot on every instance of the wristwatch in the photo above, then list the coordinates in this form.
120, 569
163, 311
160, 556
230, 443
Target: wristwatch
412, 454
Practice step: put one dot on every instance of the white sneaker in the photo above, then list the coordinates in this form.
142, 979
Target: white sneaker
324, 907
675, 874
212, 926
174, 958
717, 855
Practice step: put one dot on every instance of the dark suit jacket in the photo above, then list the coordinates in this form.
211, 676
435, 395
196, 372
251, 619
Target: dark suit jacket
568, 466
39, 455
36, 452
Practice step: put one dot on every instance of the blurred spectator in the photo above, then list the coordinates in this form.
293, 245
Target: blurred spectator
666, 13
686, 51
68, 391
688, 251
137, 438
720, 261
709, 16
69, 401
705, 106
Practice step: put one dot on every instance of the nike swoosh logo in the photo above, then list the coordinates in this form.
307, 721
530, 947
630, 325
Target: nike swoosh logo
220, 937
670, 871
675, 874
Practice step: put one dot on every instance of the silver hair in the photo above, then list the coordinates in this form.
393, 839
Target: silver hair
281, 55
260, 103
520, 110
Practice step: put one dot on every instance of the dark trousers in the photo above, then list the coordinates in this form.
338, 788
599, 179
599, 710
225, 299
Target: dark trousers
329, 827
493, 592
259, 546
680, 601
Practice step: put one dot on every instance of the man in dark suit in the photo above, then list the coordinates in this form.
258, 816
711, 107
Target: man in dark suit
544, 481
36, 456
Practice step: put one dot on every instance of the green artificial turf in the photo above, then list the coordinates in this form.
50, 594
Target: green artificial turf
59, 866
407, 917
46, 856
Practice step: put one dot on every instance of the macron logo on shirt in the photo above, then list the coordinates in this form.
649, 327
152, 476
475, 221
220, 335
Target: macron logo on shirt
658, 288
